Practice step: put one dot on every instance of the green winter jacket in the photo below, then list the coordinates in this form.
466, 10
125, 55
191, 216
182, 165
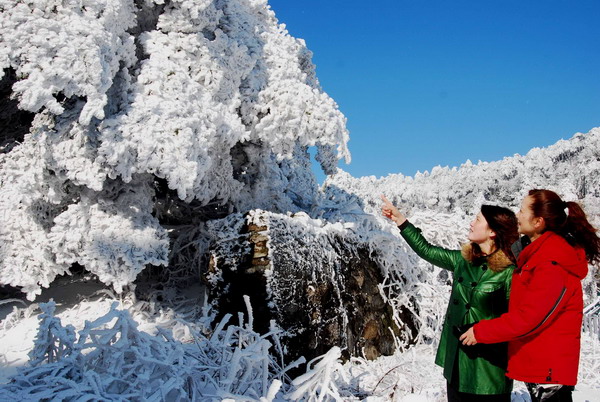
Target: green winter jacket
479, 292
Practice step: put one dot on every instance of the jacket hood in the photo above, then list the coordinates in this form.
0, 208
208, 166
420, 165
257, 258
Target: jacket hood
497, 261
556, 250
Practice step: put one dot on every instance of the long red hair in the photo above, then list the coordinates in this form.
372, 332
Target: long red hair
573, 226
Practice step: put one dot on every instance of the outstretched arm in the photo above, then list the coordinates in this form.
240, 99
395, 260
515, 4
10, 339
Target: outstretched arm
439, 256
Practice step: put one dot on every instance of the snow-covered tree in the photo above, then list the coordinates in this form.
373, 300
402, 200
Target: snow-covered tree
569, 167
210, 102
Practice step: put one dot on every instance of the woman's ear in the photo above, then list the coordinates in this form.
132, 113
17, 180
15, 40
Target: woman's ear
539, 224
492, 234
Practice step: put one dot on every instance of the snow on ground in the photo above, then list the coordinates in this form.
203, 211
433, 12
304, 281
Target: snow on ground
408, 376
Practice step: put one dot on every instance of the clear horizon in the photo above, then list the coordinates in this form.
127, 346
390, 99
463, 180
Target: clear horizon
439, 83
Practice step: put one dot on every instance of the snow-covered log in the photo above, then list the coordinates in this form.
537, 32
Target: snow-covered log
318, 281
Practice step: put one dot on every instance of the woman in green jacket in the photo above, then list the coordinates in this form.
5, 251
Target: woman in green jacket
482, 273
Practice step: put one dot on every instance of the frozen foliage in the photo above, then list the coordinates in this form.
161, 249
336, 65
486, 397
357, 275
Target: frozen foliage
215, 98
112, 233
318, 383
69, 48
111, 359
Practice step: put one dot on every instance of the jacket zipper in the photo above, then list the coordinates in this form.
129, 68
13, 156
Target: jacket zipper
549, 313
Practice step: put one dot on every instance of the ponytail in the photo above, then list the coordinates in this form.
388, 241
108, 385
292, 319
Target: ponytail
583, 233
568, 220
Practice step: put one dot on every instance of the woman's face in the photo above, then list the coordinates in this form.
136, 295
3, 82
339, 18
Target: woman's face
480, 231
525, 218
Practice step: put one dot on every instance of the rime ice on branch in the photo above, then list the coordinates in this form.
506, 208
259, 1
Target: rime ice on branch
214, 98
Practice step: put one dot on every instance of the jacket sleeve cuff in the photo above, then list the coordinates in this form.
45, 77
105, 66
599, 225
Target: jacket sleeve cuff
477, 333
403, 225
479, 330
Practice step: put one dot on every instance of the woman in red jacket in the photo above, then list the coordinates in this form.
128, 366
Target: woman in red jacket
543, 322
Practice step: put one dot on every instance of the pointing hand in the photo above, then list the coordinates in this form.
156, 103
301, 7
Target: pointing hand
391, 212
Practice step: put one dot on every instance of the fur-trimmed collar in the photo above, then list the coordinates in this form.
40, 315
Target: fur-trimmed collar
497, 261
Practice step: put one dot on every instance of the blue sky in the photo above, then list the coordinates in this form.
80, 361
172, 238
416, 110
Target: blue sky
426, 83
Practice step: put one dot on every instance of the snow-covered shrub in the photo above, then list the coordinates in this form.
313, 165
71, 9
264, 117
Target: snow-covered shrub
318, 384
111, 359
54, 342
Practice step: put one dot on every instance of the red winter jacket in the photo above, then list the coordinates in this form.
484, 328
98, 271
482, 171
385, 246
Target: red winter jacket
545, 311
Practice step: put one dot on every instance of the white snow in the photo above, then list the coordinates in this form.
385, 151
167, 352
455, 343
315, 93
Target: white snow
217, 100
185, 361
